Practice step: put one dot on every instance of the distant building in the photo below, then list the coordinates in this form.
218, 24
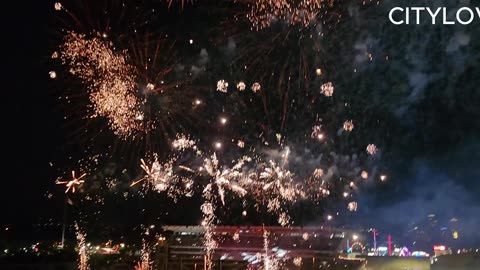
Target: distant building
239, 247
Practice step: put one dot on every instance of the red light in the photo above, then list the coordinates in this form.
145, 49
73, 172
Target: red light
440, 248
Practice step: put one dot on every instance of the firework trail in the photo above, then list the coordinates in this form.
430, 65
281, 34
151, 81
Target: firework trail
270, 262
208, 224
146, 262
82, 249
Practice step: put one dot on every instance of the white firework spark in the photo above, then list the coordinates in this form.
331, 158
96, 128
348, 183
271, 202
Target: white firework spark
348, 125
58, 6
372, 149
241, 86
222, 86
327, 89
256, 87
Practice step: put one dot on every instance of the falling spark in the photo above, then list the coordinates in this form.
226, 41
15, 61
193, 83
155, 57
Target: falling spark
364, 174
55, 55
317, 132
279, 138
383, 177
139, 117
327, 89
58, 6
183, 142
241, 144
150, 87
73, 182
222, 86
297, 261
236, 236
256, 87
372, 149
352, 206
318, 173
348, 125
241, 86
318, 71
53, 74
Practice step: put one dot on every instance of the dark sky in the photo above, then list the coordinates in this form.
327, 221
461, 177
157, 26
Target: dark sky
437, 153
32, 129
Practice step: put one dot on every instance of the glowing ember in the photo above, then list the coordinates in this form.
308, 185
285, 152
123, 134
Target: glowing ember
52, 74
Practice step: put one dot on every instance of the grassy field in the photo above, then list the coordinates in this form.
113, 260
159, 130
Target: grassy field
389, 263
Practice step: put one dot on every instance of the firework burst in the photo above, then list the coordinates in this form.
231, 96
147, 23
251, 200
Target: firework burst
71, 184
131, 75
264, 13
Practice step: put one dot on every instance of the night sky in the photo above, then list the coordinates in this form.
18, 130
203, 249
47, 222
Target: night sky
422, 108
